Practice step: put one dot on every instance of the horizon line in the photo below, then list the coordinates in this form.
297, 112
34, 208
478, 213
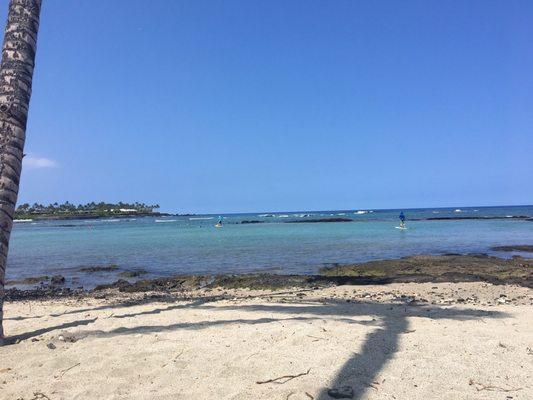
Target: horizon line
349, 209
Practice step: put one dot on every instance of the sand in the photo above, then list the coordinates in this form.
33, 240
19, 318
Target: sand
474, 342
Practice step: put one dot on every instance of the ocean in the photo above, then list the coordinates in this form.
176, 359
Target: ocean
165, 246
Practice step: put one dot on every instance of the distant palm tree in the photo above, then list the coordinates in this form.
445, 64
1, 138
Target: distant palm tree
16, 72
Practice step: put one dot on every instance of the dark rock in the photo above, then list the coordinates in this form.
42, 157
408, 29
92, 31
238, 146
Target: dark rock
344, 392
117, 284
99, 268
57, 280
42, 292
252, 222
478, 255
425, 268
524, 217
32, 280
133, 274
518, 247
51, 346
319, 220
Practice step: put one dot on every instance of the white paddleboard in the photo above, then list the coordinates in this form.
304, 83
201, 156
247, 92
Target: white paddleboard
218, 226
401, 227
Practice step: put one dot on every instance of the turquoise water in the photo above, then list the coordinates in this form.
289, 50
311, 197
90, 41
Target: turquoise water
171, 245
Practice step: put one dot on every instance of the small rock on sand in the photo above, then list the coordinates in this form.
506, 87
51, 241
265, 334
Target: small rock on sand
343, 392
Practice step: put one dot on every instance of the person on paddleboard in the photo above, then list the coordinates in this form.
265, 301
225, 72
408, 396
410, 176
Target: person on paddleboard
402, 219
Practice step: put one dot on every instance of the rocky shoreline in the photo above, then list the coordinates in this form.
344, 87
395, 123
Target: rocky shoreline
449, 268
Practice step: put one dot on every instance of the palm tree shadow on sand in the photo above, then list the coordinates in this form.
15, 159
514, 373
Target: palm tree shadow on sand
358, 373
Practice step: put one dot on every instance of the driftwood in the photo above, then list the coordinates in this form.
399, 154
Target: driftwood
61, 373
480, 386
316, 338
69, 368
283, 379
178, 355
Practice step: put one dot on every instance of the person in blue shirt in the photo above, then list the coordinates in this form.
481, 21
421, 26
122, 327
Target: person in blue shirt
402, 219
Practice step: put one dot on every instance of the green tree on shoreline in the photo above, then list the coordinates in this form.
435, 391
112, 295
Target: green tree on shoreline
68, 209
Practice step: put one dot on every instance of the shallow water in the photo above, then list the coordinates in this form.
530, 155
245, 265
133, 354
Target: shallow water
171, 245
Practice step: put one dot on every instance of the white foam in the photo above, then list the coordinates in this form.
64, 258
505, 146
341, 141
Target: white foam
165, 220
199, 218
360, 212
23, 220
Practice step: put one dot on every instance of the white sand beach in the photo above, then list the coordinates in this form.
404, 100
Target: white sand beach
369, 338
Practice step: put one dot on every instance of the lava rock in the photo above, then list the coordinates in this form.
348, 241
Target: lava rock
99, 268
57, 280
121, 283
133, 274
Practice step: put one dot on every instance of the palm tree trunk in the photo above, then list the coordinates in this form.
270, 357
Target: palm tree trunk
16, 72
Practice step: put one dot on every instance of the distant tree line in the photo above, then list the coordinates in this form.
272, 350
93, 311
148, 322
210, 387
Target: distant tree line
67, 208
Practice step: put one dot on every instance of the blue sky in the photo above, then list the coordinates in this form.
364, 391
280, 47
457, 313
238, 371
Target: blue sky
235, 106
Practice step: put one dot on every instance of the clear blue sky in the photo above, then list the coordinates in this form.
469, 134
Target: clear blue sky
228, 106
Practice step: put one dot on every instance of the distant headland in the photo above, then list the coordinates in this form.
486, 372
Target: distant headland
84, 211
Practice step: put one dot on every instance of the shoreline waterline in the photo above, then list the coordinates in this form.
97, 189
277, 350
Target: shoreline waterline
452, 268
255, 243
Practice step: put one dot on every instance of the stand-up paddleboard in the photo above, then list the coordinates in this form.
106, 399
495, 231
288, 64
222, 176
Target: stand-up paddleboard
403, 228
218, 226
